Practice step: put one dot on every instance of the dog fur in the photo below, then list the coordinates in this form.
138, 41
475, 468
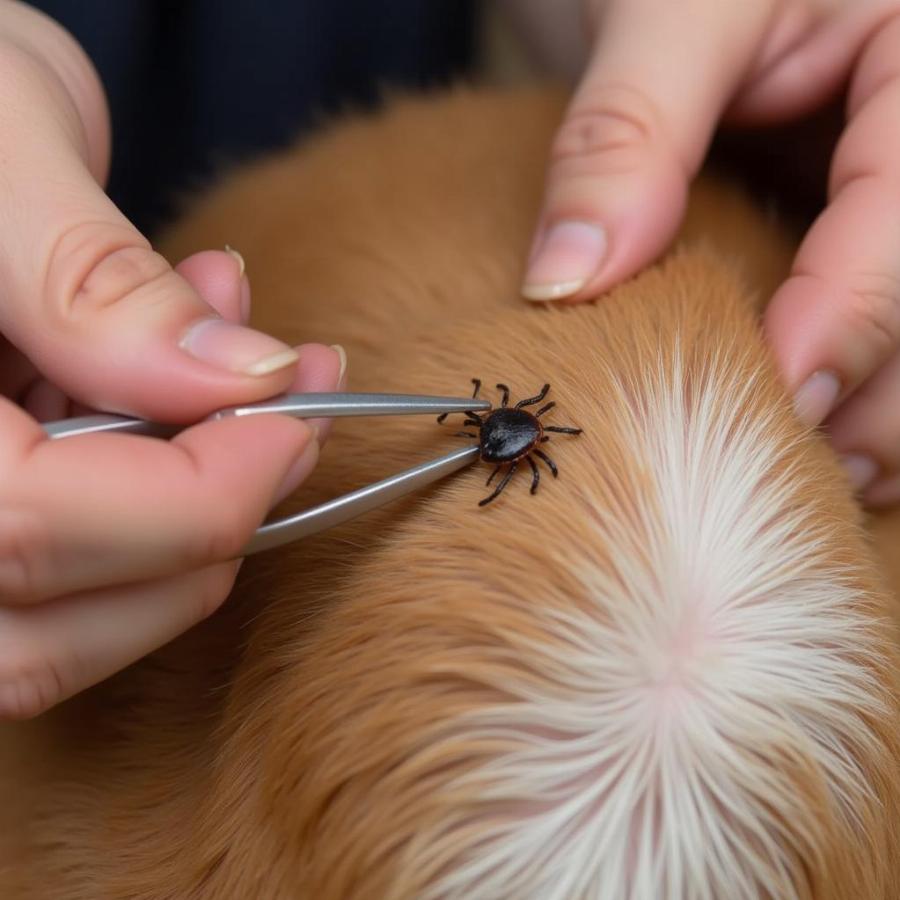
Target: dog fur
671, 673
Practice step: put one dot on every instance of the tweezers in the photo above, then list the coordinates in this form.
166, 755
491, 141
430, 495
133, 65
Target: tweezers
310, 406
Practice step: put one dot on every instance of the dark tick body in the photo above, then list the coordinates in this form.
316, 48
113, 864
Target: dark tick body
510, 434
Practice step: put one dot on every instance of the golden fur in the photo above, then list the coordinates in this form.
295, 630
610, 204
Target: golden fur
329, 733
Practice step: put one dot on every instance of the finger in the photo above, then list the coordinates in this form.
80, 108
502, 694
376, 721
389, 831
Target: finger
219, 277
634, 135
53, 650
837, 318
84, 296
808, 60
104, 509
866, 431
320, 369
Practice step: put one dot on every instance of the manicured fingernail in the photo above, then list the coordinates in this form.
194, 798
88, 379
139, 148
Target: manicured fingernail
238, 258
884, 492
236, 349
816, 397
860, 469
299, 471
566, 257
342, 353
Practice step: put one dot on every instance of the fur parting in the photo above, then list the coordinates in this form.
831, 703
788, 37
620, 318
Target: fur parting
670, 674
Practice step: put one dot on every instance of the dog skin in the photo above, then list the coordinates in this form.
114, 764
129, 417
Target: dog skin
670, 673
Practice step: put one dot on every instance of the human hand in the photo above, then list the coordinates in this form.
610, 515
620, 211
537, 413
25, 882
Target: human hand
661, 75
111, 545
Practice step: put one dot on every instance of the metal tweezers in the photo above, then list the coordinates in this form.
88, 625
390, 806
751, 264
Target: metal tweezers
311, 406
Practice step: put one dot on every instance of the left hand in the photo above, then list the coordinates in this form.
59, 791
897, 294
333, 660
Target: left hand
660, 77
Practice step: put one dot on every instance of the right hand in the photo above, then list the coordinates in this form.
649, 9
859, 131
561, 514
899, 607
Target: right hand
660, 78
111, 545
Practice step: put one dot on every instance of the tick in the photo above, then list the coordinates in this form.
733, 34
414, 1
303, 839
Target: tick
510, 434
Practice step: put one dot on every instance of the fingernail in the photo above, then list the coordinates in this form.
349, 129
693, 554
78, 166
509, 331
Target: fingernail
884, 492
240, 260
566, 257
244, 284
342, 353
861, 470
236, 349
299, 471
816, 397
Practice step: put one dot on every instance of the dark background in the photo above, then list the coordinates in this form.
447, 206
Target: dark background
195, 84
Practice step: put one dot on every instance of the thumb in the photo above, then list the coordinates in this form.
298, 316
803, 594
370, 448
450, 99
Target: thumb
87, 300
634, 135
82, 294
107, 319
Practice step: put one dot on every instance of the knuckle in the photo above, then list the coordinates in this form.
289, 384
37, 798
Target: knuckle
93, 266
23, 539
612, 130
874, 310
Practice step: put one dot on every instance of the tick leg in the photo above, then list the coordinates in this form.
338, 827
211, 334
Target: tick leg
472, 419
465, 434
491, 476
505, 401
473, 415
503, 483
535, 475
544, 439
544, 409
551, 465
562, 429
536, 399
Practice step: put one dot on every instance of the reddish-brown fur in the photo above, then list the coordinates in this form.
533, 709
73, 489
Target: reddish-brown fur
281, 749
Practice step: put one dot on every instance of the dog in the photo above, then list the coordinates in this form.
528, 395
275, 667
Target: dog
671, 672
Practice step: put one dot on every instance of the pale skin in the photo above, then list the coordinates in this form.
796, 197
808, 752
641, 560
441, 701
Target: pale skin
658, 79
110, 546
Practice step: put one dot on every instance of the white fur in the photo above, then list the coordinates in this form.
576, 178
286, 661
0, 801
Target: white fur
634, 758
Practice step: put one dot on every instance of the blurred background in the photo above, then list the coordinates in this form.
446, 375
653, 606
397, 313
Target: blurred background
197, 86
